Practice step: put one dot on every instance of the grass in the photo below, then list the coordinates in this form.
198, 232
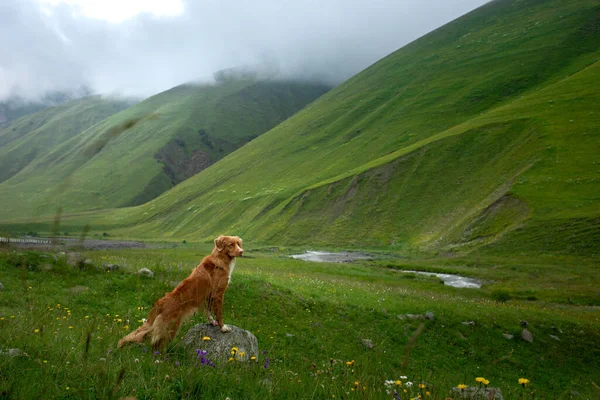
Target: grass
308, 317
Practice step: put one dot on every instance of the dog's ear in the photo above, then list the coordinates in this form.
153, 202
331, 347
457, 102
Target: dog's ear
220, 243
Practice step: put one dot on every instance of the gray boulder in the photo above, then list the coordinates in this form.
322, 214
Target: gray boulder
145, 272
219, 347
76, 260
110, 267
12, 353
527, 336
477, 393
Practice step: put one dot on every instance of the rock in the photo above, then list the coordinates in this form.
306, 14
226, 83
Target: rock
2, 288
219, 346
77, 289
508, 336
401, 316
87, 263
527, 336
75, 260
145, 272
524, 323
368, 343
46, 267
477, 393
110, 267
429, 315
555, 337
12, 353
469, 323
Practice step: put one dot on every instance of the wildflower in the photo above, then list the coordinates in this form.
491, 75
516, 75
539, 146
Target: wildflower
398, 383
70, 327
230, 359
157, 362
486, 382
462, 386
421, 386
36, 330
403, 377
523, 381
253, 358
45, 361
409, 384
427, 394
137, 360
68, 388
356, 383
241, 354
479, 380
350, 363
205, 338
87, 316
234, 350
267, 362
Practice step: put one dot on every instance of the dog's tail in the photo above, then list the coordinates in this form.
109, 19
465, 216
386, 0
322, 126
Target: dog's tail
136, 336
140, 333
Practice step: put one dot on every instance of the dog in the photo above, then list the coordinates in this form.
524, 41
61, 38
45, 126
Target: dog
204, 288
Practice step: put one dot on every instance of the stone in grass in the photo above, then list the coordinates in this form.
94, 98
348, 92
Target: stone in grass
145, 272
476, 393
110, 267
508, 336
527, 336
2, 287
219, 346
76, 260
368, 343
12, 353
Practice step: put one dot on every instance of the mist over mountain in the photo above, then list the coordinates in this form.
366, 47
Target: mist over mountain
57, 48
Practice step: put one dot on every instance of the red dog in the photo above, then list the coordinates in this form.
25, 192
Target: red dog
204, 287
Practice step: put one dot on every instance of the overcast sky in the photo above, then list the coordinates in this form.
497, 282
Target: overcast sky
141, 47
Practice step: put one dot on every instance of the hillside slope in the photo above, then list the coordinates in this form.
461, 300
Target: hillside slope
37, 134
135, 155
481, 133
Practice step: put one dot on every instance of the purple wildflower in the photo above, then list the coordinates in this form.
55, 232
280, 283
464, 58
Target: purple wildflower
177, 363
203, 359
396, 395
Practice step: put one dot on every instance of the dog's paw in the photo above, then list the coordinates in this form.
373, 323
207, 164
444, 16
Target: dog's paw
225, 329
213, 322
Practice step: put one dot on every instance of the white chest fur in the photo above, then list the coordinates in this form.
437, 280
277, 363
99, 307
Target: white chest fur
231, 268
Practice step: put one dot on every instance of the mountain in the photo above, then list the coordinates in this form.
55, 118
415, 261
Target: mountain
34, 135
483, 133
136, 154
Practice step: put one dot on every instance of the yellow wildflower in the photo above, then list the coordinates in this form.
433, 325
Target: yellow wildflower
205, 338
421, 385
350, 363
398, 383
523, 381
480, 379
253, 358
242, 354
234, 349
486, 382
70, 327
356, 383
462, 386
36, 330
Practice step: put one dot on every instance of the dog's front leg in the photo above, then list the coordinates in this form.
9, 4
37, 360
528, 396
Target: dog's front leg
218, 310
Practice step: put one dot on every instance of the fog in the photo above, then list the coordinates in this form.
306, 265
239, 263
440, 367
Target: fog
57, 48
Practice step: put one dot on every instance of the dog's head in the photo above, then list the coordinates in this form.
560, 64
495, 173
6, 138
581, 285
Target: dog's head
230, 245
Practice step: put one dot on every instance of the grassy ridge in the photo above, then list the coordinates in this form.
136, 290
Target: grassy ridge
480, 131
122, 160
34, 135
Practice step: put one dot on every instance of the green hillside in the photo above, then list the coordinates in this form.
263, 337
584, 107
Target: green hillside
483, 132
36, 134
135, 155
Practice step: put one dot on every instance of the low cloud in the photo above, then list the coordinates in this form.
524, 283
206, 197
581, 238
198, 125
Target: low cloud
304, 39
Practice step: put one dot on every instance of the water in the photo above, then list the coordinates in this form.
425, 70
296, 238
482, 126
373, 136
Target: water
323, 256
345, 257
452, 280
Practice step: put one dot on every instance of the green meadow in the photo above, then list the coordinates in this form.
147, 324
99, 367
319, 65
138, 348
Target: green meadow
310, 320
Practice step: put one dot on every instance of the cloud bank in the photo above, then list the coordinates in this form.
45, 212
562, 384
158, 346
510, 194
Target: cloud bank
57, 48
